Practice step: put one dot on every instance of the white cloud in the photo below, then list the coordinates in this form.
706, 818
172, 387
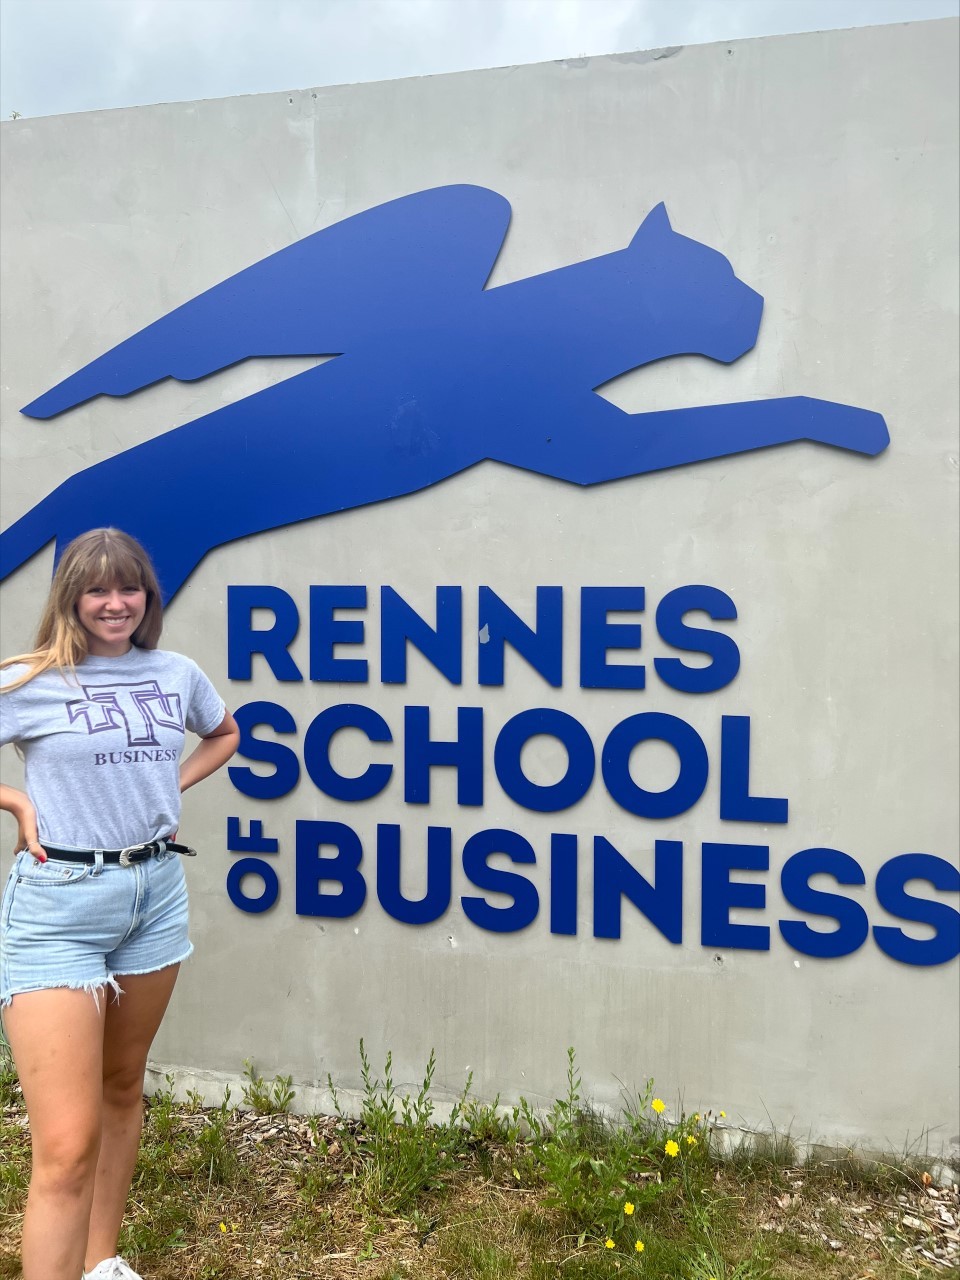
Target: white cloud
76, 55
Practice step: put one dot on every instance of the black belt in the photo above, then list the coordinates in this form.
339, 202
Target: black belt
125, 857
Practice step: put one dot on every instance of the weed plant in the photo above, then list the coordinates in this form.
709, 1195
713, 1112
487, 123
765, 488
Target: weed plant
489, 1193
603, 1173
9, 1083
169, 1154
267, 1098
397, 1154
14, 1140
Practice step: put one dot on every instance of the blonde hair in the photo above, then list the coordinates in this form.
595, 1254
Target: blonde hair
102, 557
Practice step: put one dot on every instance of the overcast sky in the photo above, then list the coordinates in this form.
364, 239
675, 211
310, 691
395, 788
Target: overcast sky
80, 55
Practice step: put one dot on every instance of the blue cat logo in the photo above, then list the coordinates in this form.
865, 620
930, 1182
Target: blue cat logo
434, 374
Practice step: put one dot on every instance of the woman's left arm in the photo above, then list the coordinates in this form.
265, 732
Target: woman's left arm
212, 751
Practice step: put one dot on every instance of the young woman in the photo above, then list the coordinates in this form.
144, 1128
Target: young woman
93, 920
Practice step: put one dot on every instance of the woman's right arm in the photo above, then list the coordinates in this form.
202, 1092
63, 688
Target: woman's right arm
18, 803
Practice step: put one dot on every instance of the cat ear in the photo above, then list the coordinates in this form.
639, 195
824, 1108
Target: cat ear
655, 223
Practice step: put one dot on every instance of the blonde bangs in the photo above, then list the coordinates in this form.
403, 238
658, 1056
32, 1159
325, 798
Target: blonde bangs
110, 564
102, 557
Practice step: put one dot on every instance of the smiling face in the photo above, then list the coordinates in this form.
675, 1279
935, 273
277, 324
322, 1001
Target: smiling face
110, 614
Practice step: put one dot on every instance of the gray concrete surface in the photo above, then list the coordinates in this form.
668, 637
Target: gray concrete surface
825, 167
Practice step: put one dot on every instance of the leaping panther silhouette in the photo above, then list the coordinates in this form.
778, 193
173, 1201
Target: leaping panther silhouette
435, 373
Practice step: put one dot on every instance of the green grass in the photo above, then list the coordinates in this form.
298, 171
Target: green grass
490, 1193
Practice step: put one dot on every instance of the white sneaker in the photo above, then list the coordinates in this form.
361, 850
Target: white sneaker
112, 1269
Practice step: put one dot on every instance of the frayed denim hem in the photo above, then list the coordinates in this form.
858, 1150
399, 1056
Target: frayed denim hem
94, 986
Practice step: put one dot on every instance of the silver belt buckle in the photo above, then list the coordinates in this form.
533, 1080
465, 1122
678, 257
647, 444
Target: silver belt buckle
125, 859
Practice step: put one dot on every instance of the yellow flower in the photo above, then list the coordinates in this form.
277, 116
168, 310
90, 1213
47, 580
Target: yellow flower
223, 1227
628, 1208
671, 1148
608, 1244
696, 1117
639, 1246
723, 1116
658, 1105
691, 1140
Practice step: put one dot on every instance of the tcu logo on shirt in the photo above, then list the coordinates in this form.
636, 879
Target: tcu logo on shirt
139, 708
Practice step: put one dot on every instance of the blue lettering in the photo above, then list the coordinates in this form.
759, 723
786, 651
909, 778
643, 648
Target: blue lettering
526, 900
719, 895
236, 876
615, 878
316, 752
343, 869
436, 899
597, 636
563, 884
674, 631
736, 802
243, 640
399, 623
421, 754
852, 923
694, 765
542, 647
255, 842
892, 879
326, 632
511, 740
286, 766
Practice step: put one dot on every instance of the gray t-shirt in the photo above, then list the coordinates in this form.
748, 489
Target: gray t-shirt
102, 748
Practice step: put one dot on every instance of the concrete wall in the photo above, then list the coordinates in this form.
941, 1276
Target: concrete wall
824, 167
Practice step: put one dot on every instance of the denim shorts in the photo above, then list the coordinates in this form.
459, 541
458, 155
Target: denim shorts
69, 924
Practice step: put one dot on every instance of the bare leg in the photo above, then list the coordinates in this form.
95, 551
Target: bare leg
57, 1042
131, 1024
